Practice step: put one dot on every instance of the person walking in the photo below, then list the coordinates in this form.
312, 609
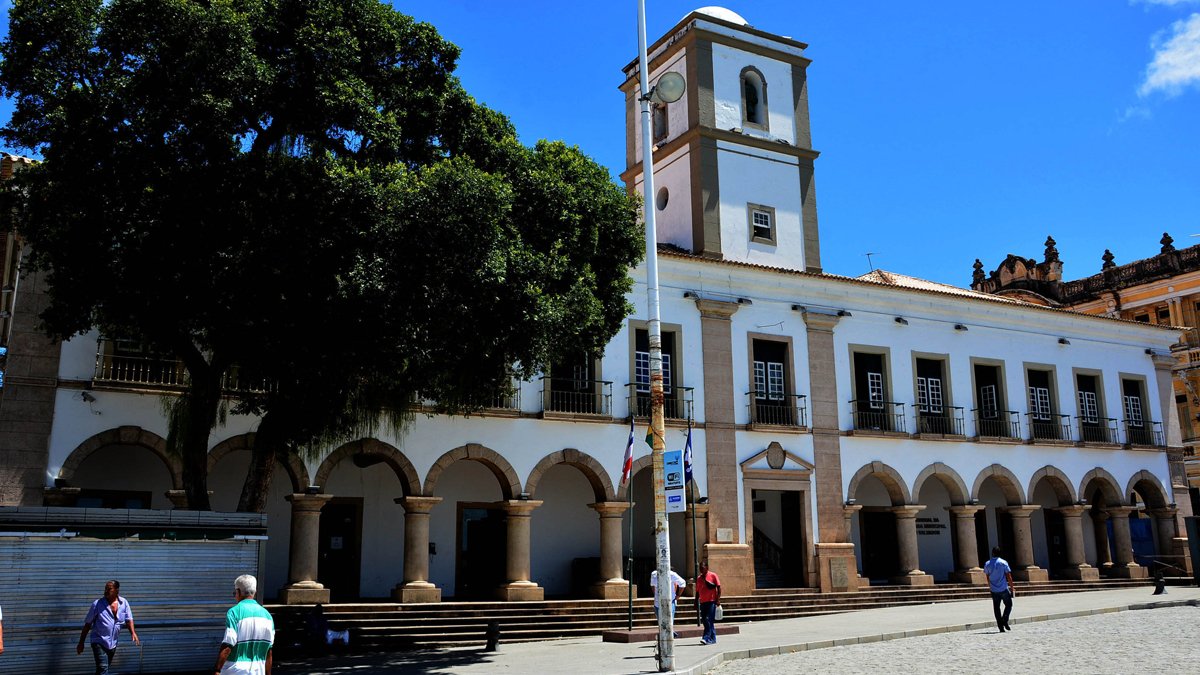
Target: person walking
103, 622
1, 631
1000, 583
708, 588
249, 633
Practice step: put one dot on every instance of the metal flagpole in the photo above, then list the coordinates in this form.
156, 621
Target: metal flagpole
629, 558
662, 542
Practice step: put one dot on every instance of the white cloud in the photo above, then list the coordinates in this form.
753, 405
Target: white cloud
1176, 64
1165, 3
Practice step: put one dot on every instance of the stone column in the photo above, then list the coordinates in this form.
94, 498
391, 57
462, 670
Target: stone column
906, 539
612, 584
178, 498
693, 545
966, 554
519, 587
1123, 564
1023, 566
853, 580
303, 587
1164, 521
1077, 567
416, 586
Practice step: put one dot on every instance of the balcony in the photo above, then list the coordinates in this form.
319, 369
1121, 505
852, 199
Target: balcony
570, 397
1097, 430
949, 421
1049, 429
997, 424
1143, 433
166, 373
677, 403
787, 410
877, 417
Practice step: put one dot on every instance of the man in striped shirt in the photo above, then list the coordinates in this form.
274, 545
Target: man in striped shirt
249, 633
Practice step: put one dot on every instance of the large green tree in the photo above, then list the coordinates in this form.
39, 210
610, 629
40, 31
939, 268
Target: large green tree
299, 193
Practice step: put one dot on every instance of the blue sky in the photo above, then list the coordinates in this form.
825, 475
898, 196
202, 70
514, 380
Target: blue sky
948, 130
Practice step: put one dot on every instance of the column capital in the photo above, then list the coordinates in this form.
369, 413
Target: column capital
701, 510
1071, 511
520, 507
851, 509
1117, 511
417, 504
1164, 513
819, 320
1020, 510
908, 510
610, 509
716, 309
965, 510
307, 502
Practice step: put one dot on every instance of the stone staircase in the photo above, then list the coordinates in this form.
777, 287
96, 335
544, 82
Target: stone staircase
392, 627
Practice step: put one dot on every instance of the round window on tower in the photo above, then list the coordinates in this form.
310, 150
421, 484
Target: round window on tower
661, 200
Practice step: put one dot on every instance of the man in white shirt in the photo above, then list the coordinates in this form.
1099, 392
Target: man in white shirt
677, 586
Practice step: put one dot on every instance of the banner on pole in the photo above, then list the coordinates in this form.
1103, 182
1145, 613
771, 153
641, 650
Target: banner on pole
673, 481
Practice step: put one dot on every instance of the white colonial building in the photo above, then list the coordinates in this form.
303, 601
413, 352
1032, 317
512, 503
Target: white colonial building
878, 428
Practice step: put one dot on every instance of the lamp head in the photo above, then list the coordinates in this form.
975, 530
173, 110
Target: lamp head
669, 88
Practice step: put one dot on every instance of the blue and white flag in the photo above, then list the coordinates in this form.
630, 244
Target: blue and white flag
687, 459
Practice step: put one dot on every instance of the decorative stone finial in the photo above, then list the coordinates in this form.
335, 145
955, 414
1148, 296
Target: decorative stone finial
1168, 244
977, 275
1108, 260
1051, 251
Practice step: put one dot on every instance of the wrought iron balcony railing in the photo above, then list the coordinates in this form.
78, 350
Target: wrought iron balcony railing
877, 415
997, 423
1142, 432
1051, 427
159, 371
576, 397
677, 403
1101, 430
947, 422
785, 410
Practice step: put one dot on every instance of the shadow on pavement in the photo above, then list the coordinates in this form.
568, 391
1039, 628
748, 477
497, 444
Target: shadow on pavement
425, 661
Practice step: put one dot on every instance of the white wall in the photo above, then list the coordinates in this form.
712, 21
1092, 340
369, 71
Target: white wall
728, 63
382, 523
226, 480
752, 176
934, 545
562, 528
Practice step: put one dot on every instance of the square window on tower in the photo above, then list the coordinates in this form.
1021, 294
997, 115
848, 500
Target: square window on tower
762, 223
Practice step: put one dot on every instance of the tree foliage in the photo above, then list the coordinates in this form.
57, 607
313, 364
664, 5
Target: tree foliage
300, 192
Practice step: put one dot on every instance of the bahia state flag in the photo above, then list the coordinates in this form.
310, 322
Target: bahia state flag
627, 464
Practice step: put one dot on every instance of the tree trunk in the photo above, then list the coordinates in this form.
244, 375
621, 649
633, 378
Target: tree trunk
267, 446
204, 400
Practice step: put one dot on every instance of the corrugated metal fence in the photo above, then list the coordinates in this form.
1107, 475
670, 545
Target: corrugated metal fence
177, 578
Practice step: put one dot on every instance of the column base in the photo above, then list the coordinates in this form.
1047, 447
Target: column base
521, 591
914, 578
304, 593
975, 577
1179, 546
1032, 574
837, 568
612, 590
419, 592
1081, 573
734, 563
1130, 571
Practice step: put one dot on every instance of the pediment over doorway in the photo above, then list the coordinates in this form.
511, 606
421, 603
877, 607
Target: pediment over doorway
776, 460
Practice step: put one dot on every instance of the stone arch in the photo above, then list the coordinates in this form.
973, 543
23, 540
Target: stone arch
1063, 490
1107, 484
297, 472
126, 435
1009, 485
374, 448
948, 477
1148, 486
587, 465
891, 479
640, 463
510, 484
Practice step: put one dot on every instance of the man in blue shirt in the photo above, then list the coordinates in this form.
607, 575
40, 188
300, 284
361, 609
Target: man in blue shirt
104, 620
1000, 582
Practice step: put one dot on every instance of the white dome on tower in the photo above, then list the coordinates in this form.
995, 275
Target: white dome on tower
722, 14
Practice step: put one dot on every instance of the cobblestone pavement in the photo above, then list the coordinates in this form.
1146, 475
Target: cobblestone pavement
1161, 640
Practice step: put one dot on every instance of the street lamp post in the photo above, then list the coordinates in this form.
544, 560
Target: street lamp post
668, 90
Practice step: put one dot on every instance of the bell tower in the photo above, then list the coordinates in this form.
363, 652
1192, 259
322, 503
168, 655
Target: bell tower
733, 158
